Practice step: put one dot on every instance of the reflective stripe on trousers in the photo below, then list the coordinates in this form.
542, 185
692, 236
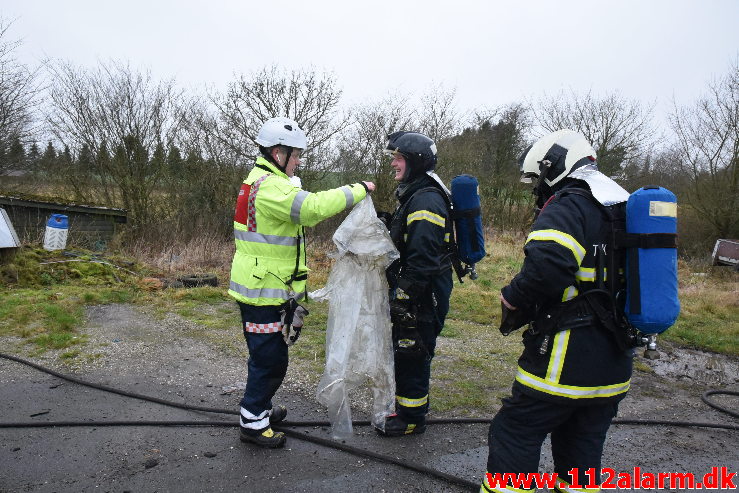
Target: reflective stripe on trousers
409, 402
248, 420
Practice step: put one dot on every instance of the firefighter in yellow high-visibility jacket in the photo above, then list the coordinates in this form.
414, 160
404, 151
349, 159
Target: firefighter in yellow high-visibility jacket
269, 269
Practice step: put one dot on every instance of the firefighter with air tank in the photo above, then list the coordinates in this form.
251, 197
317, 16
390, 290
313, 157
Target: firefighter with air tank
576, 364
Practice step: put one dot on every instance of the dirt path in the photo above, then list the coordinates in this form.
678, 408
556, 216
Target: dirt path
152, 357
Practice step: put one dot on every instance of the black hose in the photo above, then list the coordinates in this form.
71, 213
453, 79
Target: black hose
705, 399
382, 458
301, 436
413, 466
321, 441
164, 402
102, 424
485, 421
114, 390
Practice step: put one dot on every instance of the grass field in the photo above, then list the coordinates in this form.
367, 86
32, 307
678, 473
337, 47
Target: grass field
43, 298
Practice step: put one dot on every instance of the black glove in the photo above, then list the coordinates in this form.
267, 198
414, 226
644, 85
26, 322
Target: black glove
385, 217
292, 314
404, 316
511, 320
403, 313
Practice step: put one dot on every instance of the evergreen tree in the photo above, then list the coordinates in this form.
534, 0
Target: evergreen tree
34, 154
84, 160
64, 160
174, 162
47, 163
17, 155
62, 166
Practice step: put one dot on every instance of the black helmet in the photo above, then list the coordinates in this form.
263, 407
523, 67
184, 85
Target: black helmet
418, 150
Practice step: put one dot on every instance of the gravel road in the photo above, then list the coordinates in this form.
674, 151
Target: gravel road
153, 357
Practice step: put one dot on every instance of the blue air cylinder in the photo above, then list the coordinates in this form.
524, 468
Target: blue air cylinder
467, 219
652, 303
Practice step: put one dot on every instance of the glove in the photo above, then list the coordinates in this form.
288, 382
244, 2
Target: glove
402, 311
292, 315
511, 320
403, 315
386, 218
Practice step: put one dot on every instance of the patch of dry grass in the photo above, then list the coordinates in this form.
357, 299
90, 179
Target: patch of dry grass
203, 254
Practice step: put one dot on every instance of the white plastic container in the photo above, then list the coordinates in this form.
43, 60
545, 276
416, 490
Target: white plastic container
57, 228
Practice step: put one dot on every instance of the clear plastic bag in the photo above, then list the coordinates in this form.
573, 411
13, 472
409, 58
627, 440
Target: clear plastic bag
358, 334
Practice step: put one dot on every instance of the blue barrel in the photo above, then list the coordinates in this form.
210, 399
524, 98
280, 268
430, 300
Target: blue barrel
59, 221
55, 237
652, 303
468, 219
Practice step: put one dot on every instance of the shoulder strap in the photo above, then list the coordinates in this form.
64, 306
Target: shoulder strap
606, 265
452, 248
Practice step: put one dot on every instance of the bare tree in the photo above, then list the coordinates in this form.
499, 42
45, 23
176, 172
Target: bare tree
619, 129
111, 103
18, 101
308, 97
362, 146
121, 116
439, 118
708, 146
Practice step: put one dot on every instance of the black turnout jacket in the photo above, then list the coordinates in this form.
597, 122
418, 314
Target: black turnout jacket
575, 364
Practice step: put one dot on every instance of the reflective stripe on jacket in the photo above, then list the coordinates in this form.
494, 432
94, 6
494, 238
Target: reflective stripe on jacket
582, 364
270, 214
420, 230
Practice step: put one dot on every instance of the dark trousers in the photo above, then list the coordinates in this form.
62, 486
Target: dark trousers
268, 358
413, 371
412, 376
521, 425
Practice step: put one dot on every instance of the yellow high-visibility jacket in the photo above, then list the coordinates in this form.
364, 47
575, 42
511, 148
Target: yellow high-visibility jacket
269, 264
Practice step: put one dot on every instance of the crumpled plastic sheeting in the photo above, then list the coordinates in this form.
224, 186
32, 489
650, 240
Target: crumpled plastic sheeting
358, 335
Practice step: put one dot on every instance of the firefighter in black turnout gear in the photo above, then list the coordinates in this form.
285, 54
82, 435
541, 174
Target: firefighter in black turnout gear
575, 366
420, 280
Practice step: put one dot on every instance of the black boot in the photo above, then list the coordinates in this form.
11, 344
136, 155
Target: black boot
264, 438
278, 414
395, 426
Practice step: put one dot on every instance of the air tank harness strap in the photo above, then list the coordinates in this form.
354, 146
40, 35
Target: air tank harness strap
647, 240
592, 308
634, 241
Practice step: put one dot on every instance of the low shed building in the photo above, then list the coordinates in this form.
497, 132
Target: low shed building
89, 226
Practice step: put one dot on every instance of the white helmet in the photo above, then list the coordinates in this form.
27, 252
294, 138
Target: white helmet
281, 131
560, 152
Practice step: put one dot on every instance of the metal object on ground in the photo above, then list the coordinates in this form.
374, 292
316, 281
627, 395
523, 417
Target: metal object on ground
199, 280
726, 252
651, 351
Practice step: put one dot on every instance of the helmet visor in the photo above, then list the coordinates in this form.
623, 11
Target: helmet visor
394, 153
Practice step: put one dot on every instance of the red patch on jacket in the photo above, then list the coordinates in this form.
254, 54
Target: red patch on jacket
242, 205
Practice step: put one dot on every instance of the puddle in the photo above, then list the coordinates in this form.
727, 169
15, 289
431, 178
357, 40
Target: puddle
705, 368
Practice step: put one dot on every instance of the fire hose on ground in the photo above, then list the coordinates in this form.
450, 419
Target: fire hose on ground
286, 425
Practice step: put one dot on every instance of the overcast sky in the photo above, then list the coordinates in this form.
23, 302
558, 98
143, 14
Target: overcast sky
492, 52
